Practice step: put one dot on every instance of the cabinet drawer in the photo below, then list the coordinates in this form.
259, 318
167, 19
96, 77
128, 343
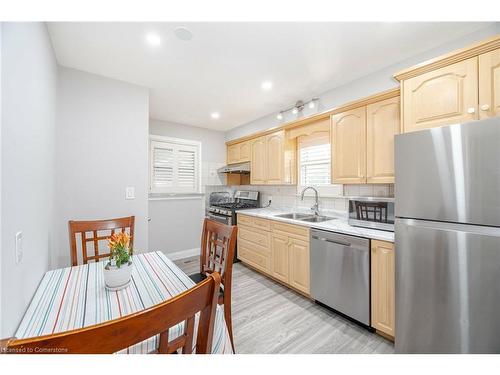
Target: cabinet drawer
254, 235
245, 220
291, 230
249, 253
261, 223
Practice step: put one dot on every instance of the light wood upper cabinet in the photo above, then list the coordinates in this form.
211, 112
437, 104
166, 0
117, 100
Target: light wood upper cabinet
258, 163
349, 146
489, 84
383, 286
238, 152
382, 124
443, 96
272, 160
299, 265
275, 157
245, 151
279, 257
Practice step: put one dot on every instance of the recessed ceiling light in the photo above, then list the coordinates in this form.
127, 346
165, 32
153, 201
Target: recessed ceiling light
153, 39
215, 115
183, 33
279, 116
266, 85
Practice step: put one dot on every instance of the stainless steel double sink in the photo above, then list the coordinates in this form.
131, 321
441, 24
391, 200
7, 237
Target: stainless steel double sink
305, 217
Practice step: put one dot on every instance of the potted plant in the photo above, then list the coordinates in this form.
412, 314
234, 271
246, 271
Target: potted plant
118, 270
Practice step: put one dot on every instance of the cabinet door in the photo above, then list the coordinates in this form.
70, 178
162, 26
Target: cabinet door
275, 157
258, 161
443, 96
489, 84
383, 281
299, 265
233, 153
279, 257
382, 124
349, 147
245, 151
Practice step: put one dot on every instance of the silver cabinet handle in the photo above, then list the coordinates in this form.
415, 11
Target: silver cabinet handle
471, 110
332, 241
485, 107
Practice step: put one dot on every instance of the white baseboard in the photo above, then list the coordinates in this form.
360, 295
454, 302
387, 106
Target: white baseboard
183, 254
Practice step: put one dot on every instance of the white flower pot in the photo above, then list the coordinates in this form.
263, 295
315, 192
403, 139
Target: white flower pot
118, 278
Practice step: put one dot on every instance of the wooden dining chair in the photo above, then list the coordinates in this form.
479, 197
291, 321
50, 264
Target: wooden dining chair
218, 242
90, 231
115, 335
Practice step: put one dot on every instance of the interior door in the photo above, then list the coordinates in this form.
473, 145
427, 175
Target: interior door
349, 147
448, 95
447, 294
489, 84
382, 124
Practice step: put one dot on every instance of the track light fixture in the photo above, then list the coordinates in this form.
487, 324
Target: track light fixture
299, 107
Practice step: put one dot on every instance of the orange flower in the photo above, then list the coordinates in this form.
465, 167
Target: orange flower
119, 240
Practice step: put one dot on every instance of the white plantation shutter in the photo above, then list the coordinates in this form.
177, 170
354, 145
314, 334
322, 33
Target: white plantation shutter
315, 159
174, 166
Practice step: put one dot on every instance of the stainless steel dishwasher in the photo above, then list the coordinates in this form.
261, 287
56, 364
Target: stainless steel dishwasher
340, 273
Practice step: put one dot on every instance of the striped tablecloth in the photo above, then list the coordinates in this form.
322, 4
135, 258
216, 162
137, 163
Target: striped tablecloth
75, 297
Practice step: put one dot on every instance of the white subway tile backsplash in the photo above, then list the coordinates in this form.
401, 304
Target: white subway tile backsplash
287, 197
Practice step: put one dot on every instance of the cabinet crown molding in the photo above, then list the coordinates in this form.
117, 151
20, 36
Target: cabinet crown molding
326, 114
473, 50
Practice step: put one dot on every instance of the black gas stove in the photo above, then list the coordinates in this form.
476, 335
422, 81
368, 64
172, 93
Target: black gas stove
223, 208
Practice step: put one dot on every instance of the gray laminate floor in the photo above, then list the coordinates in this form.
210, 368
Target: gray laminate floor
269, 318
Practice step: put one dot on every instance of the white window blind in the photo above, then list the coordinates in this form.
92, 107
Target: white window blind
175, 166
315, 159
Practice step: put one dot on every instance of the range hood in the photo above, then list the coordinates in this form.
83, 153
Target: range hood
241, 168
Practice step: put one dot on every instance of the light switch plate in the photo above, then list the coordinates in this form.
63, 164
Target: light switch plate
129, 192
19, 247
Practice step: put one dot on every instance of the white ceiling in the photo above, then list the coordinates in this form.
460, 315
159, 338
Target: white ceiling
221, 69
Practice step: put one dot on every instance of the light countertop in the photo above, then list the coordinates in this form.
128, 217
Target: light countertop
339, 225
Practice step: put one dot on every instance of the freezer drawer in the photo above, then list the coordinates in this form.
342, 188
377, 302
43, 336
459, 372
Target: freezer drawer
447, 288
340, 271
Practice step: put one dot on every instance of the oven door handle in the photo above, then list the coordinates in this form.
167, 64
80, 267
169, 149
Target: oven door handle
226, 219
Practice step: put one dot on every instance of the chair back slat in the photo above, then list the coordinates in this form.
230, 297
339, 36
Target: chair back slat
218, 242
91, 232
115, 335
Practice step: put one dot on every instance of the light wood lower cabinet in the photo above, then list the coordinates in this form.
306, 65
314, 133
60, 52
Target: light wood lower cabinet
279, 257
383, 286
299, 265
277, 249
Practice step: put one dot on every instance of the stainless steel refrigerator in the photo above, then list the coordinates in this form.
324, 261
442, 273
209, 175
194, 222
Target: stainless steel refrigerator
447, 234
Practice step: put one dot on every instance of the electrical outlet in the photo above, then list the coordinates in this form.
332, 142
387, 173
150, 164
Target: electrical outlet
270, 198
19, 247
129, 192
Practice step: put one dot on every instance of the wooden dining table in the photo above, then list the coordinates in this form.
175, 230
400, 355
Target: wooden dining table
75, 297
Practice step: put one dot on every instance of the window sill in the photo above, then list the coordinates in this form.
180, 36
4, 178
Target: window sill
175, 196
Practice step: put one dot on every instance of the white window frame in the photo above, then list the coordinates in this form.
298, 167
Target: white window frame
175, 190
329, 190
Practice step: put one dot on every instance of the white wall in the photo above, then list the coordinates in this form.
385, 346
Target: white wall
29, 84
368, 85
102, 147
176, 223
